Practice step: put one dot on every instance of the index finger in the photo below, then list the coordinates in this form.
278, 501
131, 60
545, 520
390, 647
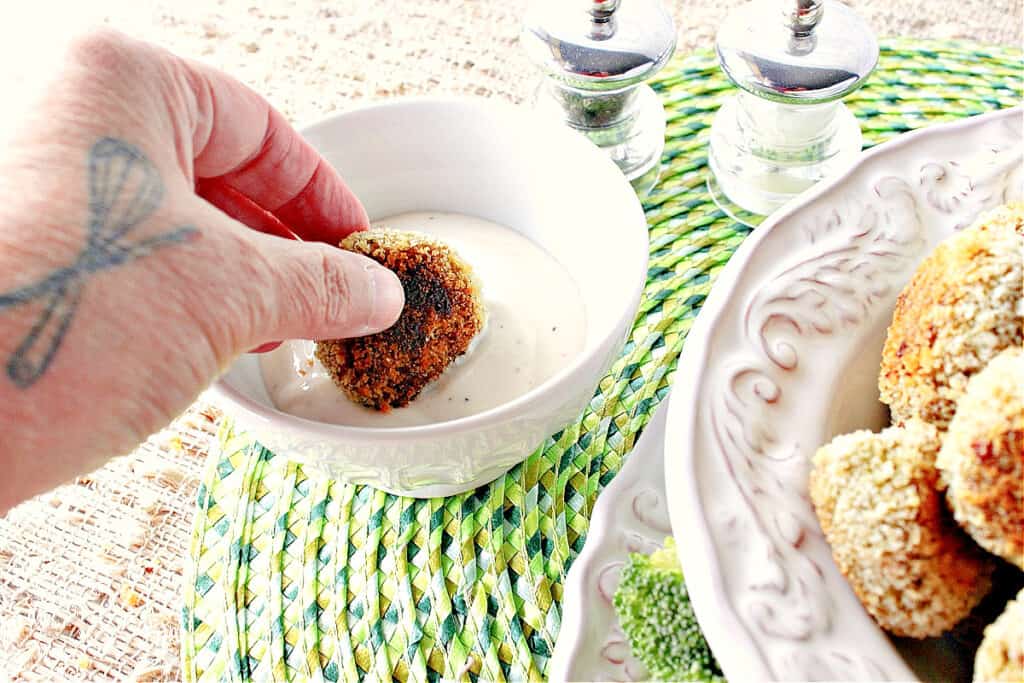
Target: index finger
249, 161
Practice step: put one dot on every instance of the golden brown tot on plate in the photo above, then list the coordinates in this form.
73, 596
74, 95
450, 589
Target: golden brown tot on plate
443, 314
1001, 654
914, 570
982, 457
961, 308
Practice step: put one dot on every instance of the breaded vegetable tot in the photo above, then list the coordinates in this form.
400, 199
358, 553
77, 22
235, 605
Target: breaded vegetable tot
961, 308
443, 313
982, 457
1001, 655
876, 495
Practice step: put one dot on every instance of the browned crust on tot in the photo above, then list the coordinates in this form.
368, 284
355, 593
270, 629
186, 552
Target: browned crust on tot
982, 457
443, 313
961, 308
879, 504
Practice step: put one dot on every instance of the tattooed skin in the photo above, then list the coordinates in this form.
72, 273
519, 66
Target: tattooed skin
124, 190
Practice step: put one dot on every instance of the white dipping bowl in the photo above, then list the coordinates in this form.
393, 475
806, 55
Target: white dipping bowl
502, 164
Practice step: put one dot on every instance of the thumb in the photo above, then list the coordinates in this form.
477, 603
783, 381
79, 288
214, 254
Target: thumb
317, 291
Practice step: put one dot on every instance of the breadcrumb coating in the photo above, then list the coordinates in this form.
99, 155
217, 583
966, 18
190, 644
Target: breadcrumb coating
1001, 654
443, 314
876, 496
982, 457
961, 308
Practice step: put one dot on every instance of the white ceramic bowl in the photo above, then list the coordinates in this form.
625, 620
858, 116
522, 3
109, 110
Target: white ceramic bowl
785, 355
500, 163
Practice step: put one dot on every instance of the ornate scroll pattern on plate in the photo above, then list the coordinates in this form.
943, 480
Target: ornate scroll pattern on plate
644, 507
991, 180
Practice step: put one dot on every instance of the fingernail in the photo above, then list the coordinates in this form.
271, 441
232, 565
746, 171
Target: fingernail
388, 298
263, 348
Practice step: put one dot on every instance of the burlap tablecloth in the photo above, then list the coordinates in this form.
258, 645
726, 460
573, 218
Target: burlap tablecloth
90, 574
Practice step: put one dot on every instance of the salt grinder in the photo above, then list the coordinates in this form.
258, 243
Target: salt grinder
596, 55
793, 60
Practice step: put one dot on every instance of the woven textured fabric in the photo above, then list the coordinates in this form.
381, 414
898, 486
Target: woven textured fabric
295, 576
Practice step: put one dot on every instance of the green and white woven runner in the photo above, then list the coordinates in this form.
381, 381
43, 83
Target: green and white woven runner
297, 577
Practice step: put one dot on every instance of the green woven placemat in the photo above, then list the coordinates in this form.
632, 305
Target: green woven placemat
295, 577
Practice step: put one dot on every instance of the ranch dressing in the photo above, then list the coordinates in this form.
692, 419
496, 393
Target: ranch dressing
535, 327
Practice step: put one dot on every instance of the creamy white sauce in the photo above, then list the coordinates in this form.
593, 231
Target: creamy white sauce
535, 327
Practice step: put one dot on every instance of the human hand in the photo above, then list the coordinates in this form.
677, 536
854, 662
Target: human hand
142, 211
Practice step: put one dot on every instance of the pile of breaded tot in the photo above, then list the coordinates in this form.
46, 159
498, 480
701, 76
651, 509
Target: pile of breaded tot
920, 516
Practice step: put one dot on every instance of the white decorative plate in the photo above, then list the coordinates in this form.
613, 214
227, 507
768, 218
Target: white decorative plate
784, 356
630, 516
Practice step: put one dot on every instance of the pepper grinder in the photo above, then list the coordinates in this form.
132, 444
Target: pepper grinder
596, 55
787, 128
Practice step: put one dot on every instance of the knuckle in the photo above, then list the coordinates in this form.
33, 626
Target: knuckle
257, 310
100, 48
291, 289
228, 289
104, 62
335, 288
317, 290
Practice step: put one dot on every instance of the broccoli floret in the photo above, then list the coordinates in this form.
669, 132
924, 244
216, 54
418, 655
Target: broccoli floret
655, 612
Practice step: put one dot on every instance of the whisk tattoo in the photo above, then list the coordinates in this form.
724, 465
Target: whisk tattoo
124, 190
